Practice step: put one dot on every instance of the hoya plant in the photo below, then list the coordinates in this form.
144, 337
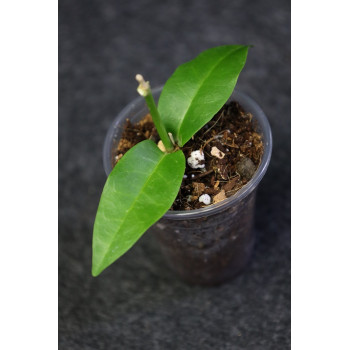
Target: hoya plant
145, 182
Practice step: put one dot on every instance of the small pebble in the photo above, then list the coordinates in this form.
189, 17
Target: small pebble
246, 168
217, 153
205, 198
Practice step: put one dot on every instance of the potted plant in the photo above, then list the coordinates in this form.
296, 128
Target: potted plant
213, 240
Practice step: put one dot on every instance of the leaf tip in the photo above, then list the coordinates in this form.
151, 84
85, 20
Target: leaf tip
95, 270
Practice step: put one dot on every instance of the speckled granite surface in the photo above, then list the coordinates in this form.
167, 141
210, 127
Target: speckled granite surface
137, 303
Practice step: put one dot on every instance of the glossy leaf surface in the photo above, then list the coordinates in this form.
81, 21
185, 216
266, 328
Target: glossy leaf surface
199, 88
139, 190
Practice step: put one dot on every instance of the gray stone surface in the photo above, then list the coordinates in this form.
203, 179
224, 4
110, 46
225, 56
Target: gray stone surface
137, 303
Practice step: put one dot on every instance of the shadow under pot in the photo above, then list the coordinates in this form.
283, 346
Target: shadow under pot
213, 244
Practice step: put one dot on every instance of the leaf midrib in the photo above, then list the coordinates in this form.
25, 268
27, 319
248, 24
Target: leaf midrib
201, 83
131, 207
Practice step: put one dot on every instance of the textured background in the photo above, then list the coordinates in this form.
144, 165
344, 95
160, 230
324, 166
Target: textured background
137, 303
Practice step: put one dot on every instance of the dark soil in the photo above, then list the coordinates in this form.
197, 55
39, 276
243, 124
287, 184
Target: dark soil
239, 149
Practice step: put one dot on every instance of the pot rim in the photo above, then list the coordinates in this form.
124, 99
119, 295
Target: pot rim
264, 128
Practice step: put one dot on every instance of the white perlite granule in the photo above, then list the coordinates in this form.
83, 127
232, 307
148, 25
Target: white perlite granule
195, 159
205, 198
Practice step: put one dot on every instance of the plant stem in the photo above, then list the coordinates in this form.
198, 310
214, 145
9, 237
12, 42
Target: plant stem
144, 90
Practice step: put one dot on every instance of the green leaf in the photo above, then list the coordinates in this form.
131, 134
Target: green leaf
199, 88
139, 190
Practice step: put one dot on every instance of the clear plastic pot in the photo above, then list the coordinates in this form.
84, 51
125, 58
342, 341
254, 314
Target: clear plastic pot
210, 245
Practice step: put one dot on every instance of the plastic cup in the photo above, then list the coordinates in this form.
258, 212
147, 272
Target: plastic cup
210, 245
